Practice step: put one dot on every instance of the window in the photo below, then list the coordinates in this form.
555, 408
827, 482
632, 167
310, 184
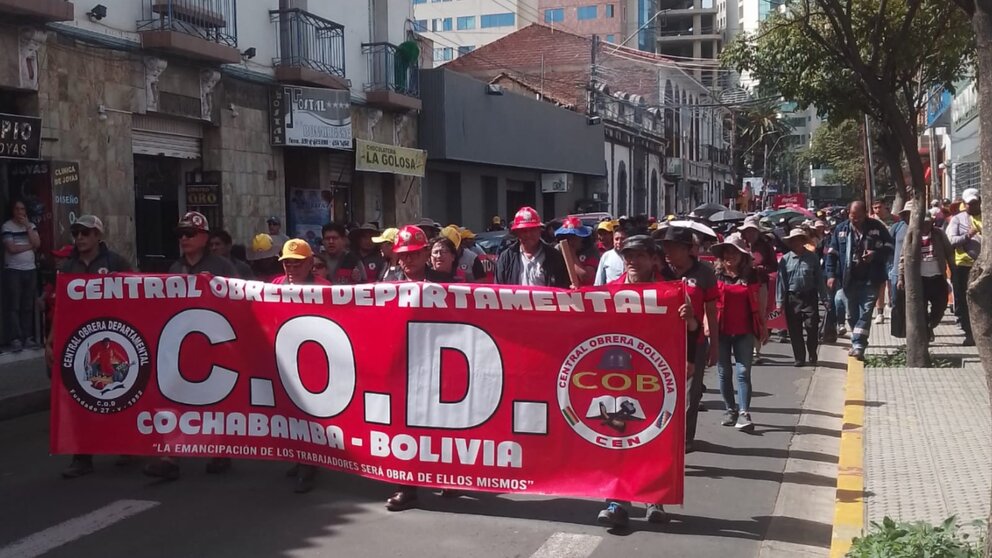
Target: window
467, 22
463, 50
443, 54
435, 25
554, 15
586, 12
609, 10
611, 39
498, 20
420, 25
446, 25
419, 1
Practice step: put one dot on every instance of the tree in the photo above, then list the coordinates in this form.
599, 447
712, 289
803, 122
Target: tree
834, 146
980, 282
851, 58
760, 133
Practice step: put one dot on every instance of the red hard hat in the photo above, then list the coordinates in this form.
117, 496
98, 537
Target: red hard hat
526, 218
410, 239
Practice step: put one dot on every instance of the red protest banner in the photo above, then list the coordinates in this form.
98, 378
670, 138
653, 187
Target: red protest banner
776, 316
455, 386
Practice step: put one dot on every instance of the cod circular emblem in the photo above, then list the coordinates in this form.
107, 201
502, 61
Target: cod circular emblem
105, 366
617, 391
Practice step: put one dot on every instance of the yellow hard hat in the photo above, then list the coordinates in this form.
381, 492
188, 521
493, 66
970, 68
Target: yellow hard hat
296, 249
452, 234
607, 226
388, 235
261, 243
466, 234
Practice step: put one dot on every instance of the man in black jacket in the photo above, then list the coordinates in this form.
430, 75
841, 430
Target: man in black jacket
530, 261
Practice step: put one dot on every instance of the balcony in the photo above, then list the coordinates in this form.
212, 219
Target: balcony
41, 11
201, 29
394, 76
677, 36
310, 49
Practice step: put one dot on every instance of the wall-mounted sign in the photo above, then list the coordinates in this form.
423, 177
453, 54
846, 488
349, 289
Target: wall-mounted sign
20, 136
203, 194
310, 117
556, 182
964, 107
380, 157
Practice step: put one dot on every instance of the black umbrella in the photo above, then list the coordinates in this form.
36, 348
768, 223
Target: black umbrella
707, 209
727, 215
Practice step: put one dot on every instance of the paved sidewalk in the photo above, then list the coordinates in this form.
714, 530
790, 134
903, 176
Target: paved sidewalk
23, 383
926, 447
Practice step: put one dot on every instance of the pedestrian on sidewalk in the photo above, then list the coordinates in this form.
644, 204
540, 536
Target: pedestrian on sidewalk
20, 277
801, 285
701, 287
530, 261
297, 261
642, 259
856, 262
936, 255
193, 232
89, 255
880, 211
965, 234
413, 255
742, 321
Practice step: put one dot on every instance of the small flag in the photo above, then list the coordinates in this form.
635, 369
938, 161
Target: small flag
570, 415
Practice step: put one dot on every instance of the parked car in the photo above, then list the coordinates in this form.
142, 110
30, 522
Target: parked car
493, 242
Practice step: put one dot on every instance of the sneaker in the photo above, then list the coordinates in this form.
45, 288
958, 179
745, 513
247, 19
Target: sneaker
656, 514
729, 418
16, 346
81, 465
858, 353
880, 319
841, 331
402, 499
615, 515
799, 363
744, 423
218, 465
163, 469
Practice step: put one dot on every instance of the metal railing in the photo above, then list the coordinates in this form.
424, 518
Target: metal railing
392, 69
213, 20
308, 41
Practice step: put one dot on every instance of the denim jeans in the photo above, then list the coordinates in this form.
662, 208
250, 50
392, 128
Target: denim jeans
840, 306
742, 347
861, 299
20, 288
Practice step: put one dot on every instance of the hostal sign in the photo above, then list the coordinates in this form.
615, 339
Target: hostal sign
19, 136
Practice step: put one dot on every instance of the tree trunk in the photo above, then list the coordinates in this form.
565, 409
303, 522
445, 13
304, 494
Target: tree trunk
892, 153
917, 332
980, 284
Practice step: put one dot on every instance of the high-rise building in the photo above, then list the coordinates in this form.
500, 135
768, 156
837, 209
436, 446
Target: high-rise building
459, 27
687, 31
609, 19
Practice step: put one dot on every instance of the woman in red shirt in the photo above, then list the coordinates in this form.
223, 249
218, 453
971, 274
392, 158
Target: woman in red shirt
743, 296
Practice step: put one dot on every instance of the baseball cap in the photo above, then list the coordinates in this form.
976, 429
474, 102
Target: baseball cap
606, 225
63, 252
639, 242
388, 235
88, 222
273, 221
497, 220
193, 220
296, 249
970, 195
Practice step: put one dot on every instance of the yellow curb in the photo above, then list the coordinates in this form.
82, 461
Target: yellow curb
849, 506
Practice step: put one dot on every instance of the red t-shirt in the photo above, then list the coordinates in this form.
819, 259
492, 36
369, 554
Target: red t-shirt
736, 313
314, 280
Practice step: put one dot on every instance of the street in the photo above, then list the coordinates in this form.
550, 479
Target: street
733, 484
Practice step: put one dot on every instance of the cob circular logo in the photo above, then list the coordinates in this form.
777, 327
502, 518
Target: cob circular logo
105, 366
616, 391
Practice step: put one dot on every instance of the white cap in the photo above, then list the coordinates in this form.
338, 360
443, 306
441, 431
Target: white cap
970, 195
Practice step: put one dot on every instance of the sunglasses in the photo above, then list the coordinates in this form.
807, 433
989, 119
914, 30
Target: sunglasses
187, 234
80, 232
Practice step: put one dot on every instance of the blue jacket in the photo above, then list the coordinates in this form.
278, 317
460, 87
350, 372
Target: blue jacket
898, 232
877, 239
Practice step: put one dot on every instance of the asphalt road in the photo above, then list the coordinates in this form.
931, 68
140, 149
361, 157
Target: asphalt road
732, 482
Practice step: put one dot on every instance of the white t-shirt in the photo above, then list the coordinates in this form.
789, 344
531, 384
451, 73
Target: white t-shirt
23, 261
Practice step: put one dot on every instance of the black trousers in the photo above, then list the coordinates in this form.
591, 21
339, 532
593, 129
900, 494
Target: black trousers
802, 316
960, 280
935, 294
695, 390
